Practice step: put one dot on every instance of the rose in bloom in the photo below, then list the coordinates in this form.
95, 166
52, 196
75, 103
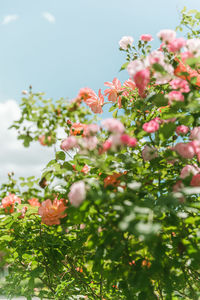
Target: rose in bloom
91, 129
129, 87
106, 146
34, 202
85, 93
96, 102
185, 150
85, 169
135, 66
180, 84
176, 45
195, 180
127, 140
125, 42
175, 96
78, 129
166, 35
77, 193
113, 125
146, 37
141, 79
149, 153
113, 91
151, 126
51, 213
89, 143
68, 143
8, 202
193, 46
112, 179
182, 130
195, 134
44, 141
189, 170
156, 57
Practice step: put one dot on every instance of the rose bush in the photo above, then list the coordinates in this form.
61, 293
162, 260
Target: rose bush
115, 214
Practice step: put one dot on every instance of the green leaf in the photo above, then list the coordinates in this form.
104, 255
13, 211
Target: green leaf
124, 66
60, 155
167, 130
159, 100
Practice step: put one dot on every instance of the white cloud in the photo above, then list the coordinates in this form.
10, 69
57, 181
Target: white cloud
14, 157
49, 17
9, 18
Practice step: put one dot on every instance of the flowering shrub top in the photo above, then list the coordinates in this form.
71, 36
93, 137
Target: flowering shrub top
116, 212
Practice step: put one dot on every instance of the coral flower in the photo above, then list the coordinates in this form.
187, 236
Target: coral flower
112, 179
95, 102
113, 91
34, 202
85, 93
44, 141
51, 213
182, 67
78, 129
9, 201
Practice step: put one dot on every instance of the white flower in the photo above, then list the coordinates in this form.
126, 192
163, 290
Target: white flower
167, 35
193, 46
125, 41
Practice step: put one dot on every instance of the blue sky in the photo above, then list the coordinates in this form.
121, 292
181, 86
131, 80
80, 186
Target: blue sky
81, 48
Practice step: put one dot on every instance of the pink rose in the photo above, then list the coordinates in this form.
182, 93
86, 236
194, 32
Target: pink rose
185, 150
195, 134
176, 45
167, 35
189, 170
77, 193
113, 125
182, 130
148, 153
69, 143
127, 140
125, 42
8, 202
180, 84
141, 79
175, 96
134, 67
89, 143
146, 37
151, 126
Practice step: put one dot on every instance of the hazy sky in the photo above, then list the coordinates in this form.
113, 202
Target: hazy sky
59, 46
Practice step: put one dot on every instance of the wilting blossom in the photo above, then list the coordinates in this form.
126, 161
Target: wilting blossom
185, 150
182, 130
113, 125
77, 193
176, 44
125, 42
68, 143
141, 79
8, 202
180, 84
151, 126
114, 90
146, 37
195, 134
34, 202
195, 180
189, 170
175, 96
193, 46
95, 102
149, 153
51, 213
167, 35
127, 140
